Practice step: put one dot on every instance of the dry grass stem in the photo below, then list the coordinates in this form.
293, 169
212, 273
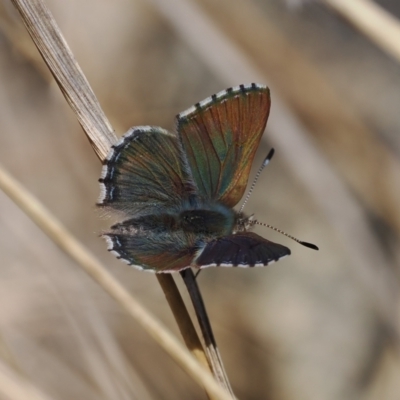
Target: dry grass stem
212, 350
373, 21
13, 386
187, 329
57, 55
16, 34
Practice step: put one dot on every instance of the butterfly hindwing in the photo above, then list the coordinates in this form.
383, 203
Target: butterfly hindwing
144, 172
220, 136
156, 250
243, 249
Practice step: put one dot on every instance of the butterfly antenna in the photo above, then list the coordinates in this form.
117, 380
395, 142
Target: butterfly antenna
306, 244
263, 165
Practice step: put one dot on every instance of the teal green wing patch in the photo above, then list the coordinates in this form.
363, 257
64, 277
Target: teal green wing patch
143, 172
220, 136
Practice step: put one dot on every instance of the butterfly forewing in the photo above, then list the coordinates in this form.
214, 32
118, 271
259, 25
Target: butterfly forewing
143, 172
220, 136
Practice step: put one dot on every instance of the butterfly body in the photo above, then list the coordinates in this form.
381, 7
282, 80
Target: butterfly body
211, 222
178, 191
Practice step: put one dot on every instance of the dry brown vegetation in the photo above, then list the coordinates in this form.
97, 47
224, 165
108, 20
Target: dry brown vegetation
314, 326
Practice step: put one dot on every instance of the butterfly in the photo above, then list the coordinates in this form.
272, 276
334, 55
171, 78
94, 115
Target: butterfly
178, 191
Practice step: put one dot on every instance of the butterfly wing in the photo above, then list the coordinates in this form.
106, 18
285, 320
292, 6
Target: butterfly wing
243, 249
144, 172
151, 250
220, 136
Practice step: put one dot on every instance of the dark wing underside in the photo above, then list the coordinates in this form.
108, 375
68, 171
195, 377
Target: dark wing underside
244, 249
220, 136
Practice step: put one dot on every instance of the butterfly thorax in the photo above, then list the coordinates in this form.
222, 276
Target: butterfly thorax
207, 222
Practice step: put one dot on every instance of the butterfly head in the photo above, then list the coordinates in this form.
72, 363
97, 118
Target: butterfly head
243, 223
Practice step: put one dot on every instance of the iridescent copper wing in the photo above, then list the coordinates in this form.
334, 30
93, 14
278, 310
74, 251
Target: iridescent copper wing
220, 136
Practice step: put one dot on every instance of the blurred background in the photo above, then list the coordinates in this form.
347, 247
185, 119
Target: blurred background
317, 325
